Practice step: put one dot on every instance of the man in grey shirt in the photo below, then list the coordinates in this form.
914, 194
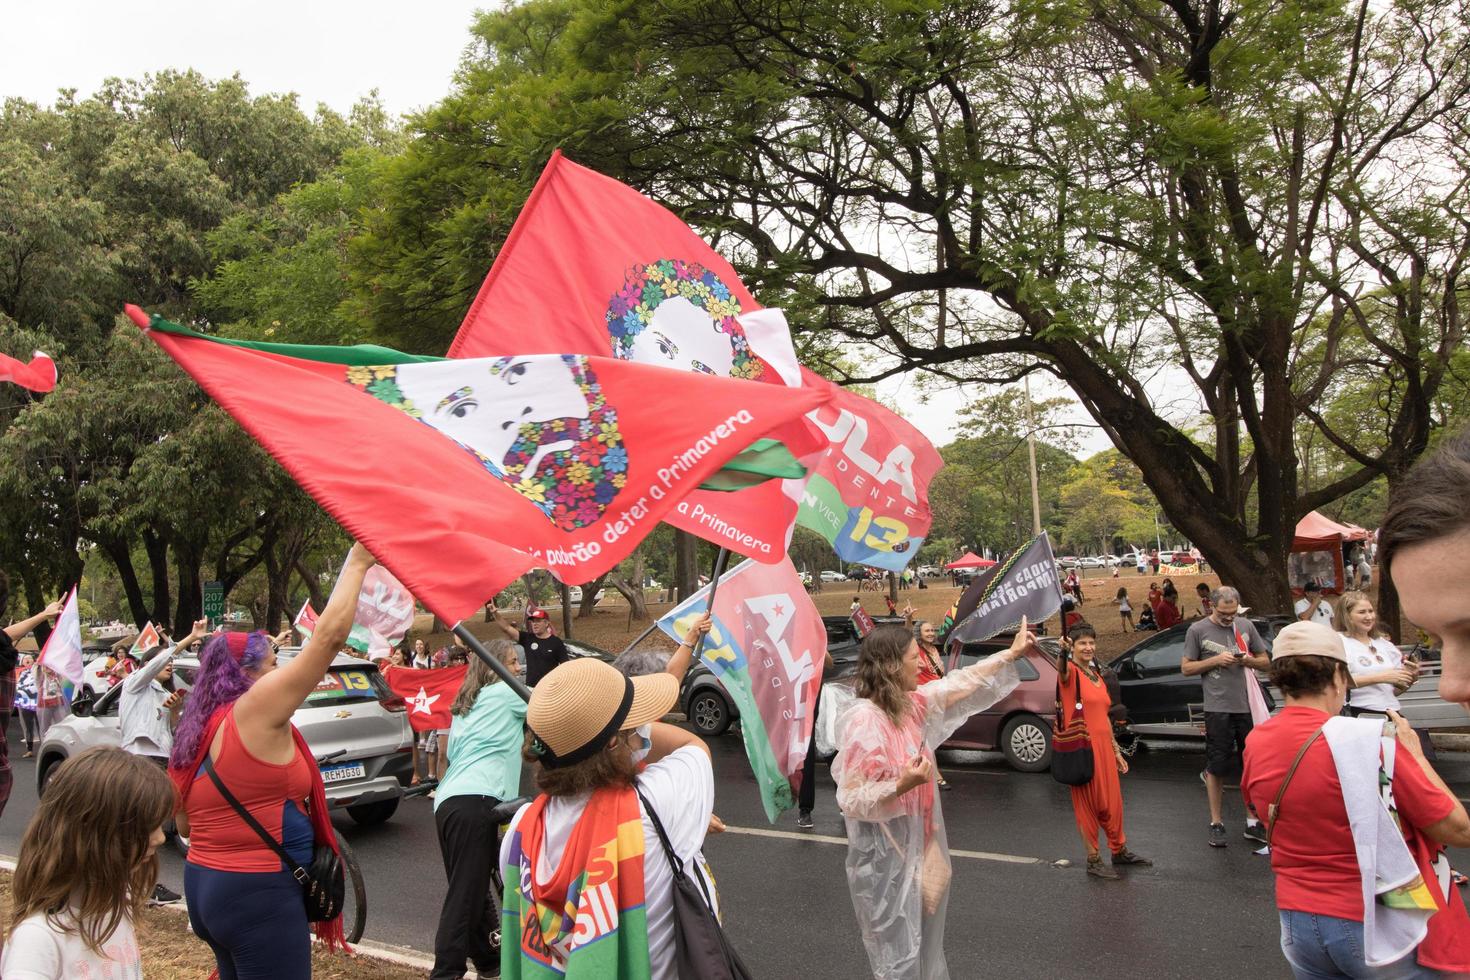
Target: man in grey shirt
1211, 648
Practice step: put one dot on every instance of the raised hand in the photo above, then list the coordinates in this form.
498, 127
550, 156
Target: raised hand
1024, 642
700, 627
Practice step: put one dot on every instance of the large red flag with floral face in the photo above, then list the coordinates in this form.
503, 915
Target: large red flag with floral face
594, 267
461, 475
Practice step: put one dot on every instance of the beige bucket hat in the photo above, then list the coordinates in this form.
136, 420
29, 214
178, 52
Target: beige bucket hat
1309, 639
579, 706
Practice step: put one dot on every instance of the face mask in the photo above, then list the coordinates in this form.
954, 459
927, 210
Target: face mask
643, 744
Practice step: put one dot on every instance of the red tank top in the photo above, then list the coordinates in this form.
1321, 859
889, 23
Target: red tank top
218, 838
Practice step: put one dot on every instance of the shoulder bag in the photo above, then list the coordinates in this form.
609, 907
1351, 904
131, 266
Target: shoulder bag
1071, 747
323, 884
702, 951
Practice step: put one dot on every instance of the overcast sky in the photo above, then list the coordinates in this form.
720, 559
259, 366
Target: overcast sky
326, 51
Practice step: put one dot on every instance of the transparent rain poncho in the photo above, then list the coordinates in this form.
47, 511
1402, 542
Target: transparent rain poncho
896, 848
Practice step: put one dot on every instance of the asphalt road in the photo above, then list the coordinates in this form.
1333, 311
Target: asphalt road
1199, 913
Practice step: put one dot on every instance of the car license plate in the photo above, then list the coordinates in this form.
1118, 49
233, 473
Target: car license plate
337, 774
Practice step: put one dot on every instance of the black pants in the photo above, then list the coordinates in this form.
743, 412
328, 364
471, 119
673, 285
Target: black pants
806, 798
468, 841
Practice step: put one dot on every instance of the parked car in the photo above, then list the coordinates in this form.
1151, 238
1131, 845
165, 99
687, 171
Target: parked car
1090, 562
1157, 693
928, 571
829, 575
575, 594
352, 720
1176, 558
1019, 725
1068, 561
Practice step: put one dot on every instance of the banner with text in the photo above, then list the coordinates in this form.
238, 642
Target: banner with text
1025, 584
767, 646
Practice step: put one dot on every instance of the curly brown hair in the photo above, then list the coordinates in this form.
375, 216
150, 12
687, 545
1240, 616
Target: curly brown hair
880, 670
85, 851
610, 767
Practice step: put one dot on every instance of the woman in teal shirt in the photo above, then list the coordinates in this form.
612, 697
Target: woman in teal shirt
484, 753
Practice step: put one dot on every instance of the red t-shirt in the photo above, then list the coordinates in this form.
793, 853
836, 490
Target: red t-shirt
1312, 849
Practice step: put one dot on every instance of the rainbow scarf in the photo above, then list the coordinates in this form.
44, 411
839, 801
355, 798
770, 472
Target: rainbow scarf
589, 922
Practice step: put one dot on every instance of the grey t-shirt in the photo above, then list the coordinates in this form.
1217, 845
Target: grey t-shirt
1225, 688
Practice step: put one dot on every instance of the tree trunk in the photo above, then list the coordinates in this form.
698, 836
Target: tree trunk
35, 602
566, 609
157, 550
277, 581
313, 585
191, 591
686, 565
893, 586
632, 591
589, 596
121, 557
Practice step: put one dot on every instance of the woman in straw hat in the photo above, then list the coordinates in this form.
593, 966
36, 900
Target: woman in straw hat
897, 858
1357, 821
588, 889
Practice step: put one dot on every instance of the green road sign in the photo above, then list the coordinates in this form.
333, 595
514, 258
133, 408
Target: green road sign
214, 601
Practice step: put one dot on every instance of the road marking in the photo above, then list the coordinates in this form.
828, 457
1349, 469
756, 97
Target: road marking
826, 839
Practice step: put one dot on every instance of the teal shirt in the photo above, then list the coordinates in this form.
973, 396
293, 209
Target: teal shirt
485, 747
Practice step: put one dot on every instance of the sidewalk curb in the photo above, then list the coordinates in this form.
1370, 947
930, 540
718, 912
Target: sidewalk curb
1450, 741
367, 948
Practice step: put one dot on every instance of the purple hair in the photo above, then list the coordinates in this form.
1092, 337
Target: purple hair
220, 681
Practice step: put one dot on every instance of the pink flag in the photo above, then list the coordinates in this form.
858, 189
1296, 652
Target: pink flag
39, 375
767, 647
62, 654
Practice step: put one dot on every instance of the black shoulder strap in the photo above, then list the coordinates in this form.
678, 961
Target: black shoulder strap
254, 824
675, 863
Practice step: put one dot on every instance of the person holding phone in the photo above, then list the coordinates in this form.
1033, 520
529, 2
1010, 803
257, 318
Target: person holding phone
1226, 649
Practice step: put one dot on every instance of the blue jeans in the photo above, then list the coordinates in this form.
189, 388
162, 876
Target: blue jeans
1319, 947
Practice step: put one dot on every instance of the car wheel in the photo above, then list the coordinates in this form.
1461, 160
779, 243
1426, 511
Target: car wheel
1026, 742
372, 814
710, 712
48, 769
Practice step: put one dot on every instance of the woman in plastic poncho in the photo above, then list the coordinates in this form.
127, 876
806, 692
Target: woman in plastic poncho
897, 858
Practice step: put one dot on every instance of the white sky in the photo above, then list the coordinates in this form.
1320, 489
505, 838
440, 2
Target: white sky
326, 51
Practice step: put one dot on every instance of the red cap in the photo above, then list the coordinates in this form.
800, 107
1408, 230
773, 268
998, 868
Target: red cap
537, 614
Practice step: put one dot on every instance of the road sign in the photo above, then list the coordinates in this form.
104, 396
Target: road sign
214, 601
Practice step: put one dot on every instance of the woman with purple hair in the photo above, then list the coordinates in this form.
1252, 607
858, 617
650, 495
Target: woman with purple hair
243, 900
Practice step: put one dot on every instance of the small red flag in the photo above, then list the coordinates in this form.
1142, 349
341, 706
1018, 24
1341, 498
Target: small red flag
39, 375
428, 693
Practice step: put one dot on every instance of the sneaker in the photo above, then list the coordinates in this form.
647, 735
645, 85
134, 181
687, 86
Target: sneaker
1217, 835
1255, 832
1126, 856
804, 820
164, 896
1097, 869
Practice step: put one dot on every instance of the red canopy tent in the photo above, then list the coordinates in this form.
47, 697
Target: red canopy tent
1316, 552
971, 560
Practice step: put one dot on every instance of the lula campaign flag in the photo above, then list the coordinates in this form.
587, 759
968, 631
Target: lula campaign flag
39, 375
62, 654
767, 645
148, 638
602, 270
384, 610
557, 461
1024, 584
428, 694
869, 493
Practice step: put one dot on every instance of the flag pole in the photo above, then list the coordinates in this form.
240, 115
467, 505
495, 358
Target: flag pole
505, 673
714, 585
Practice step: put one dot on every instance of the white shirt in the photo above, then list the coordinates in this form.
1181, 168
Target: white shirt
142, 718
1369, 658
36, 950
1322, 614
681, 788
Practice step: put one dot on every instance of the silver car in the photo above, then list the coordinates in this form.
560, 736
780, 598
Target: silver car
356, 726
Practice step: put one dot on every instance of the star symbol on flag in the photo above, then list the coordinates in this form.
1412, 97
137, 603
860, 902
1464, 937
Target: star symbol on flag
778, 609
423, 702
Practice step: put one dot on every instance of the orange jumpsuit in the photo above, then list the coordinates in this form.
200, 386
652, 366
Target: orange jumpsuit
1098, 804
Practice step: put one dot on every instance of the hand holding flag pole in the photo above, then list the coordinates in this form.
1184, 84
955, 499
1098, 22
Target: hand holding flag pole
714, 585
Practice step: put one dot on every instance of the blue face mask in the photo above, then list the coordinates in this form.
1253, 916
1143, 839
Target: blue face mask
642, 744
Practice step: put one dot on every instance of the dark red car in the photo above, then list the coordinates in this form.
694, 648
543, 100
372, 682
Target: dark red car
1019, 725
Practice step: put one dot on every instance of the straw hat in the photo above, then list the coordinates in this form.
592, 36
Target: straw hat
1308, 639
579, 706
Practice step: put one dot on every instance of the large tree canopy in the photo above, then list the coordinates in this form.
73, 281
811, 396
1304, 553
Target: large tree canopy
1177, 207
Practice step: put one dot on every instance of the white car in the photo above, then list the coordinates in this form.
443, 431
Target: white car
828, 575
575, 594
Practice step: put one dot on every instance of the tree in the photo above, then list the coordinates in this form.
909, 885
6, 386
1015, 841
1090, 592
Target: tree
985, 191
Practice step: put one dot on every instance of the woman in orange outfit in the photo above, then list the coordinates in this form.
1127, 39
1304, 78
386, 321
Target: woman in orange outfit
1098, 805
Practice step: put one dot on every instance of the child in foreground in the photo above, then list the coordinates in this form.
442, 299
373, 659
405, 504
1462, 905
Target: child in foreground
88, 863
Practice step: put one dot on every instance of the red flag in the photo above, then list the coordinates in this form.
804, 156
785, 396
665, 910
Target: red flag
552, 461
862, 620
39, 375
602, 270
428, 693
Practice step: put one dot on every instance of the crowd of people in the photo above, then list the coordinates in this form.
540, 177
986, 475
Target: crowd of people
1336, 785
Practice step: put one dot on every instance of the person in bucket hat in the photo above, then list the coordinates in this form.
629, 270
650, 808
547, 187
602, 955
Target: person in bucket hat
588, 887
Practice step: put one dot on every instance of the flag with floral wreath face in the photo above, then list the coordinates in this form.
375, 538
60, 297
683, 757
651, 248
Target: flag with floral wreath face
461, 475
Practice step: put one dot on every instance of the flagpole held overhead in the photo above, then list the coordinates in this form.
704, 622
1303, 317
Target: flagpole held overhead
714, 585
478, 649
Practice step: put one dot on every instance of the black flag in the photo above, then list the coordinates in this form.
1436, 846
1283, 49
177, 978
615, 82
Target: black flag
1025, 584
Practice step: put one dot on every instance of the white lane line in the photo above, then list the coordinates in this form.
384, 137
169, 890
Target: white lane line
826, 839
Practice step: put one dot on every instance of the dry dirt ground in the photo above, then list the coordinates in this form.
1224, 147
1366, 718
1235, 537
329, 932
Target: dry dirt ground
171, 952
609, 627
